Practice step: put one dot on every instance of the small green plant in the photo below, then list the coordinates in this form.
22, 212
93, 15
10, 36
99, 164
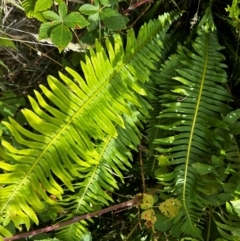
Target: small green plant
104, 12
60, 25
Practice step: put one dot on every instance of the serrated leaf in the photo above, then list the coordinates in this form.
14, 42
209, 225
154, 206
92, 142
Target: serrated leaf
112, 19
42, 5
61, 36
93, 20
62, 10
147, 201
45, 29
171, 207
148, 214
89, 9
75, 19
50, 15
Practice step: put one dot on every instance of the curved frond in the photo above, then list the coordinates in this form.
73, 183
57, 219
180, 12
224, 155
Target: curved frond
77, 125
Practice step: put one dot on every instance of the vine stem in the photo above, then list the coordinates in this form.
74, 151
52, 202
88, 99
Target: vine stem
128, 203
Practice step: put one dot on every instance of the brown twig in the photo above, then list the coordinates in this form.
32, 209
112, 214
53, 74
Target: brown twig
129, 203
142, 173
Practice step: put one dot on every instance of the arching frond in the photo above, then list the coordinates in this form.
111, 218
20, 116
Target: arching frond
78, 132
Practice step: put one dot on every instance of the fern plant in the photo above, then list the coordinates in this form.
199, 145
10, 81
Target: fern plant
80, 131
193, 103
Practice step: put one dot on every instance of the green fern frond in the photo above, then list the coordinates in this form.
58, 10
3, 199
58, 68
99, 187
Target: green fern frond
29, 8
153, 87
96, 180
228, 226
193, 101
75, 126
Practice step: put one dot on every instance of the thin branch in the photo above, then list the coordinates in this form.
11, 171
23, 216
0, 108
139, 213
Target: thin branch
129, 203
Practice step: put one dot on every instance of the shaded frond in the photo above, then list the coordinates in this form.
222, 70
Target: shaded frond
193, 102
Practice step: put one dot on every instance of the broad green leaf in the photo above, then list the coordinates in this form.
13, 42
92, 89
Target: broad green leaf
93, 20
62, 10
50, 15
88, 9
112, 19
163, 223
46, 28
42, 5
75, 19
61, 36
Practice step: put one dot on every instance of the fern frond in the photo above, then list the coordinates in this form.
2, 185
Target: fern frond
29, 8
153, 86
76, 127
193, 101
96, 180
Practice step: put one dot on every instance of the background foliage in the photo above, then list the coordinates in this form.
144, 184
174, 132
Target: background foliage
151, 110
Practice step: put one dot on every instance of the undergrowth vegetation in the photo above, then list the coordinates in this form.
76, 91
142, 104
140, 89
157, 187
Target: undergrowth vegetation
119, 120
